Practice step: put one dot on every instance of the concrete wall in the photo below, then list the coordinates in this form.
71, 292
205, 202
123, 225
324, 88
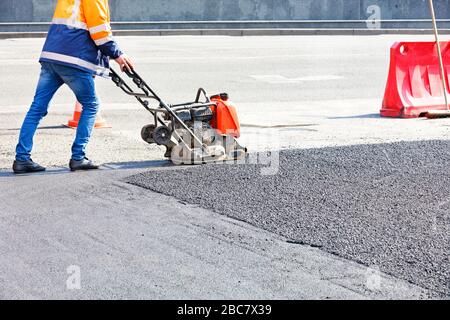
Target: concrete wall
213, 10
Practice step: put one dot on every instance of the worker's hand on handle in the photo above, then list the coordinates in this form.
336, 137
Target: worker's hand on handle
125, 62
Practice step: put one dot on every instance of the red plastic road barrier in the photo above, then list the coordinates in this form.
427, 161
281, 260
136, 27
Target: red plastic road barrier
414, 84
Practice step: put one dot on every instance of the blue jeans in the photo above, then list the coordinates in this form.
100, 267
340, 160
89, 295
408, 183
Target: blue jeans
52, 77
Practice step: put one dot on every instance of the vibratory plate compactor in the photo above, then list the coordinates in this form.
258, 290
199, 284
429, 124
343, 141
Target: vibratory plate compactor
194, 132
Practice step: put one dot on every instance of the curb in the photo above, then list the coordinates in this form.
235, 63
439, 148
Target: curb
240, 32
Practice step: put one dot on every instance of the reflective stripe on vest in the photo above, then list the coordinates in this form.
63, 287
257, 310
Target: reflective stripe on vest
104, 40
70, 23
73, 20
100, 28
76, 61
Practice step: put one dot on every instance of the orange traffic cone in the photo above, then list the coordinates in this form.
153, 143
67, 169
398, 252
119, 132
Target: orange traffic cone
100, 122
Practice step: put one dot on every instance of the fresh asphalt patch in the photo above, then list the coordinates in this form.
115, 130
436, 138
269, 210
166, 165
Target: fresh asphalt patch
386, 206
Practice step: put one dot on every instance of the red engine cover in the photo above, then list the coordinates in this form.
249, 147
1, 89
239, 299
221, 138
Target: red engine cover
225, 118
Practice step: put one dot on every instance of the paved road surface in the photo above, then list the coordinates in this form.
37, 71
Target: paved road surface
385, 205
130, 242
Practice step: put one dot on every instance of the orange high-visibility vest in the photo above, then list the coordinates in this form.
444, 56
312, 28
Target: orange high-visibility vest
80, 36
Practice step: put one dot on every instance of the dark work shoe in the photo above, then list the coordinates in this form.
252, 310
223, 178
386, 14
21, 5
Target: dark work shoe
84, 164
26, 167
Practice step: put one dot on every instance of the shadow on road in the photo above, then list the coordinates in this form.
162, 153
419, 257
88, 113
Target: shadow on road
136, 165
44, 128
359, 116
105, 167
55, 170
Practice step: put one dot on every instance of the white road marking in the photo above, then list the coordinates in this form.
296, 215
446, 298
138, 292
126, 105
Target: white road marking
22, 62
279, 79
68, 107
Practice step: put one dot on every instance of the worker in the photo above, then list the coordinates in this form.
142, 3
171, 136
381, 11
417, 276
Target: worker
78, 47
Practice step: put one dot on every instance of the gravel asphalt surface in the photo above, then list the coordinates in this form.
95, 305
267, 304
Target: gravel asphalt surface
385, 206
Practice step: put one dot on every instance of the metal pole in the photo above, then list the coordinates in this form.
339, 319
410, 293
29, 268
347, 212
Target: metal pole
441, 62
